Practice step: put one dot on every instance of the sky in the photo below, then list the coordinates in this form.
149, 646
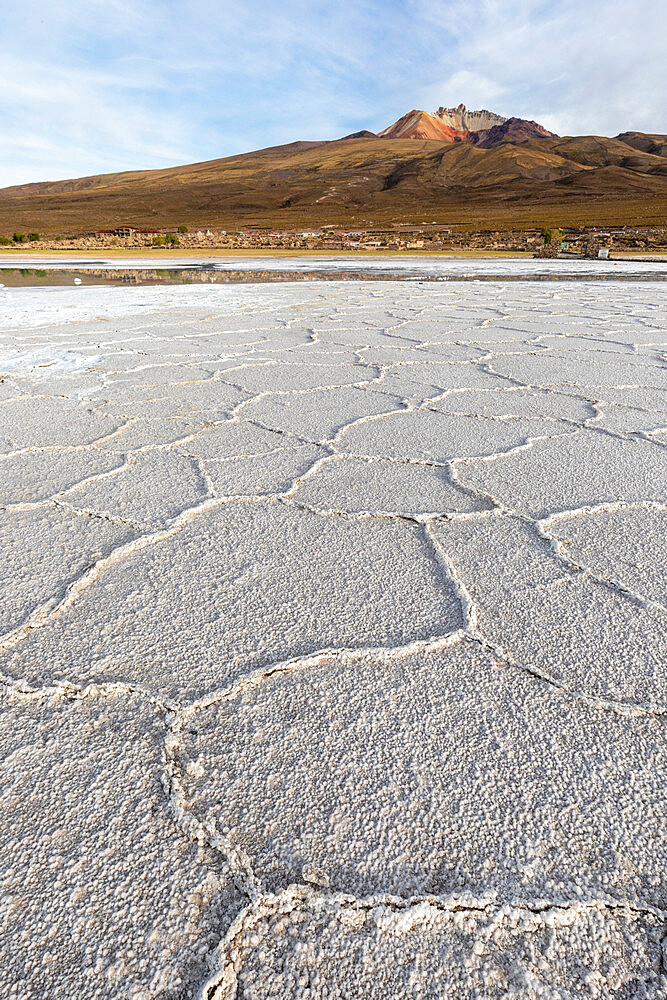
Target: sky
88, 87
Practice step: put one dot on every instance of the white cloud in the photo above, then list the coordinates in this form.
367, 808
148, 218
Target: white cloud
473, 89
95, 85
586, 66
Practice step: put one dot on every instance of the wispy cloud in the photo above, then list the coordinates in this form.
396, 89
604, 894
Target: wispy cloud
596, 66
89, 86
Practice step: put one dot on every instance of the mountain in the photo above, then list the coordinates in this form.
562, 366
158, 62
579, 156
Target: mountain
468, 121
656, 144
421, 125
363, 134
510, 130
480, 128
512, 173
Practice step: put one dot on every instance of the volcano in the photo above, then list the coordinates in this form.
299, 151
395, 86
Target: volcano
454, 167
479, 128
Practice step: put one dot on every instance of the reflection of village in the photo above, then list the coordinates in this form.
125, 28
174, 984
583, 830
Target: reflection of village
585, 241
186, 275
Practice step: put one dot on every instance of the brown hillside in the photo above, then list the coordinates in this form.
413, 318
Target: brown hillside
511, 130
585, 180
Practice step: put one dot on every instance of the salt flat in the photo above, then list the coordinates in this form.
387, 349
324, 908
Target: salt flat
333, 642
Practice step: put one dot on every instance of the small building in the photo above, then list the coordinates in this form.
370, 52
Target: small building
127, 231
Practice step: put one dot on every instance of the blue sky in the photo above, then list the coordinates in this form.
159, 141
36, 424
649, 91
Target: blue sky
88, 87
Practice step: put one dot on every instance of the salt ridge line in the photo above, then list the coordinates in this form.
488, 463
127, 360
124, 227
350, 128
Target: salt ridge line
219, 374
206, 832
48, 611
557, 546
541, 527
407, 406
473, 631
45, 613
362, 418
323, 331
41, 616
223, 982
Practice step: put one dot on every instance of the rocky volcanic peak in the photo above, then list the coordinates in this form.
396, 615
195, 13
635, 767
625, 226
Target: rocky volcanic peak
468, 121
479, 128
420, 125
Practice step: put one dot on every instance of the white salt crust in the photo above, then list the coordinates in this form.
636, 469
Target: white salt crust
333, 641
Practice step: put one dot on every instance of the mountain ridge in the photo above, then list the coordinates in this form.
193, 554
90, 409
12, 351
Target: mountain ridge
470, 121
481, 128
513, 173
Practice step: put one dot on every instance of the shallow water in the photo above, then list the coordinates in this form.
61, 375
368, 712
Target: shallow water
240, 270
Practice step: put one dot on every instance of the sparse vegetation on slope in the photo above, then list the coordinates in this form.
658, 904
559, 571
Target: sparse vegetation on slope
585, 180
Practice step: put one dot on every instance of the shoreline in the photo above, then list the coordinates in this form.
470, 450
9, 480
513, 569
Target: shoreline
12, 256
261, 252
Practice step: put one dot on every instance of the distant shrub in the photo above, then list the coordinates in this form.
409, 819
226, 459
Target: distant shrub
19, 238
4, 240
172, 240
33, 237
547, 234
182, 229
158, 241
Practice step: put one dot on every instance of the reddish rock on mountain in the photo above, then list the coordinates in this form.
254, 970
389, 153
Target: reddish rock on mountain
480, 128
421, 125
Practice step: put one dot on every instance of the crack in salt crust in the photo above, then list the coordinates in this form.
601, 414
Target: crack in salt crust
524, 416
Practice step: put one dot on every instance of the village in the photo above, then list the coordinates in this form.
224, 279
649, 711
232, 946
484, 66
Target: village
545, 242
